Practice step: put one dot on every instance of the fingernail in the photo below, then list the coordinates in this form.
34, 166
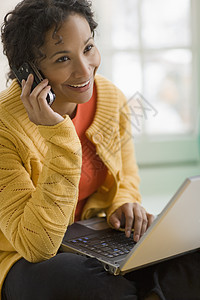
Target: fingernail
116, 225
45, 81
136, 238
128, 233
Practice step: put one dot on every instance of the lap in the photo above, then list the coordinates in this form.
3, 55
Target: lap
65, 276
74, 277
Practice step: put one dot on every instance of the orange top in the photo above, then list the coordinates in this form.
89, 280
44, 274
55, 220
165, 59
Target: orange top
93, 171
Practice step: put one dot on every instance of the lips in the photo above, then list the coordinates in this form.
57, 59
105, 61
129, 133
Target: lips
81, 87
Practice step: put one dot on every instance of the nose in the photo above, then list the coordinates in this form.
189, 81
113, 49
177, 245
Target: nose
82, 68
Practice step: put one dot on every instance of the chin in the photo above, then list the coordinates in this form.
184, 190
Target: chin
83, 99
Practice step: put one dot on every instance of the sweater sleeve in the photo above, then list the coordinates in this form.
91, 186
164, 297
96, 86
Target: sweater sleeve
34, 218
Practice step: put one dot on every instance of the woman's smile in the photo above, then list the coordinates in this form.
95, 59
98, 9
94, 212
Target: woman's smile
81, 87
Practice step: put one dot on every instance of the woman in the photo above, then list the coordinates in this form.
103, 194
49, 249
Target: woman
66, 162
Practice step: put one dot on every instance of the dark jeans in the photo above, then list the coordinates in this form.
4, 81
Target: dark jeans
74, 277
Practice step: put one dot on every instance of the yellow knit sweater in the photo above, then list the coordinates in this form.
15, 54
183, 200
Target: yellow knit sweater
40, 170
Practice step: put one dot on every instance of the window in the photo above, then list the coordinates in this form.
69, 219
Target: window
150, 51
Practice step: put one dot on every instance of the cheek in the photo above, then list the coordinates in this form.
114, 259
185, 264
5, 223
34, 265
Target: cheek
55, 77
97, 58
54, 74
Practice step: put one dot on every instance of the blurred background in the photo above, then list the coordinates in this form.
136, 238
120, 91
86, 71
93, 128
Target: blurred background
151, 50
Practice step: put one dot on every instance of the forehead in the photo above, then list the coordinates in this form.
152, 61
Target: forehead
74, 31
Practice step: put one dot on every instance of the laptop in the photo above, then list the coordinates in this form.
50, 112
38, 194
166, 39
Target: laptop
175, 231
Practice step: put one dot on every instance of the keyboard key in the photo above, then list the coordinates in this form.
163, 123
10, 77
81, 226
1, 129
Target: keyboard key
110, 244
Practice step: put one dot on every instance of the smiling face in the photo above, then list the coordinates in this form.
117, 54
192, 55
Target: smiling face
70, 65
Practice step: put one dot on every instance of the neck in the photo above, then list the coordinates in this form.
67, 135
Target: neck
65, 108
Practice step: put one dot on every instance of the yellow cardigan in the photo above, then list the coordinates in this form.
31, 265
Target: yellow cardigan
40, 170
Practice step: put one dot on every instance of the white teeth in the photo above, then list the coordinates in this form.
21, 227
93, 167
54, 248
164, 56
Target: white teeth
80, 85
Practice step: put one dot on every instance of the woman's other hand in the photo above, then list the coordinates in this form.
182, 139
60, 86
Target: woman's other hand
132, 215
35, 103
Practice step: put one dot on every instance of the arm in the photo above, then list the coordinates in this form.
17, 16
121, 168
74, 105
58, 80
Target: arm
126, 210
34, 218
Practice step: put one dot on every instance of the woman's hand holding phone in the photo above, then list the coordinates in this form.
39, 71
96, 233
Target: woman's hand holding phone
35, 103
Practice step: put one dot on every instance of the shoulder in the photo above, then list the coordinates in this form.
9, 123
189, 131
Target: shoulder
13, 115
106, 84
10, 97
107, 88
12, 91
10, 101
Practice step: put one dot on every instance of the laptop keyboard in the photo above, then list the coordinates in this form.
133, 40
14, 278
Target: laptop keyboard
110, 244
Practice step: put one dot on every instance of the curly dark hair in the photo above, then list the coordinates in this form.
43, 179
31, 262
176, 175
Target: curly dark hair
24, 29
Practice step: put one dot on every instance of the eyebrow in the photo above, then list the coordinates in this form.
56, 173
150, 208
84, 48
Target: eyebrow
66, 51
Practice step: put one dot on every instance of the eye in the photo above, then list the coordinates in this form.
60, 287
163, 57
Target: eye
62, 59
88, 48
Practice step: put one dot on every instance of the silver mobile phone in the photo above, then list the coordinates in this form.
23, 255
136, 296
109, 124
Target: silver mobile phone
28, 68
